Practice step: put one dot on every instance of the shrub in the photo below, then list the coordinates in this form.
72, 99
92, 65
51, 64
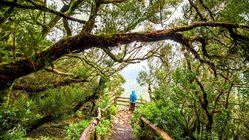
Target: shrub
73, 131
17, 133
103, 129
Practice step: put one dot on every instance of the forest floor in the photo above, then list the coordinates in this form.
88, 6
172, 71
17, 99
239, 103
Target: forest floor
121, 126
53, 130
121, 129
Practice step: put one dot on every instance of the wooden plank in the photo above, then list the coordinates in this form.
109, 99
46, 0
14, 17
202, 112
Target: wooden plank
158, 130
124, 101
99, 114
123, 104
86, 134
137, 105
123, 97
112, 95
112, 98
126, 98
120, 100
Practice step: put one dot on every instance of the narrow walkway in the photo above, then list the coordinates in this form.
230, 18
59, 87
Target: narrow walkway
122, 129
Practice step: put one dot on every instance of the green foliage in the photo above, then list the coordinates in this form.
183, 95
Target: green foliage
60, 100
42, 138
73, 131
166, 116
103, 129
110, 112
81, 71
115, 84
136, 123
78, 113
236, 11
20, 113
16, 133
103, 101
187, 94
141, 78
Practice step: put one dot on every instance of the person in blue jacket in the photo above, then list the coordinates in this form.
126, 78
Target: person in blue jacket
133, 100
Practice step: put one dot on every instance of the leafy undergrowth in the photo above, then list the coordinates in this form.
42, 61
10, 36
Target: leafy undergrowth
55, 130
103, 129
74, 130
160, 115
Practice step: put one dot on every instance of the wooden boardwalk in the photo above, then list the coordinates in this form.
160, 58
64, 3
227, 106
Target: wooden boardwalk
121, 129
121, 126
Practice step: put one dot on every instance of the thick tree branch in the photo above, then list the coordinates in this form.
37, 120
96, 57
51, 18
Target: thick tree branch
39, 88
10, 71
112, 1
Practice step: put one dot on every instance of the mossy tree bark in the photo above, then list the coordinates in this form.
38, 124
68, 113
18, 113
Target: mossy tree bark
13, 70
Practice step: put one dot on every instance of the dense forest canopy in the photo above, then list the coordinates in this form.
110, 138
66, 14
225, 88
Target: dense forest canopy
60, 54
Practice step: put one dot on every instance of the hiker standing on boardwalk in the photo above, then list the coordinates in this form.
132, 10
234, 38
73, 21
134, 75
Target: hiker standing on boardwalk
133, 100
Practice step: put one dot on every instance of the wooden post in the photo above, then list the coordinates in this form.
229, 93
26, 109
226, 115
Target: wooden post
142, 123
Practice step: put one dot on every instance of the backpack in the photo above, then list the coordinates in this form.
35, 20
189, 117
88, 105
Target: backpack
133, 97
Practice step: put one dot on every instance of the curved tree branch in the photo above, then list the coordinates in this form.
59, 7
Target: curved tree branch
39, 88
13, 70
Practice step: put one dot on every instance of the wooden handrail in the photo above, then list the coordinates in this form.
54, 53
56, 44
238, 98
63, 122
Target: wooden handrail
139, 99
158, 130
125, 101
86, 134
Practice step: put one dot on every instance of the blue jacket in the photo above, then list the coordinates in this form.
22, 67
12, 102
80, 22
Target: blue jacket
133, 93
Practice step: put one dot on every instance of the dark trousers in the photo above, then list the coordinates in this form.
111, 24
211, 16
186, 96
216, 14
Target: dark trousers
132, 106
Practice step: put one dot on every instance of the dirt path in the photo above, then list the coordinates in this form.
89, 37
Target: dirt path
122, 129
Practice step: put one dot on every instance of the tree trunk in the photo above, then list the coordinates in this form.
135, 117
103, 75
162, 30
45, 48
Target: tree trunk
150, 92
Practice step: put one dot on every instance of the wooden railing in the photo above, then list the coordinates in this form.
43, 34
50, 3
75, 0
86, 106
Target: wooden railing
156, 129
144, 121
90, 133
125, 101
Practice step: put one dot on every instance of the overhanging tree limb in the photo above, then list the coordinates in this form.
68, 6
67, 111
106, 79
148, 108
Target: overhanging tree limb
13, 70
39, 88
112, 1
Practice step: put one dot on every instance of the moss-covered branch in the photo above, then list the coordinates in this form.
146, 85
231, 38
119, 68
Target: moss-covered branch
13, 70
39, 88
